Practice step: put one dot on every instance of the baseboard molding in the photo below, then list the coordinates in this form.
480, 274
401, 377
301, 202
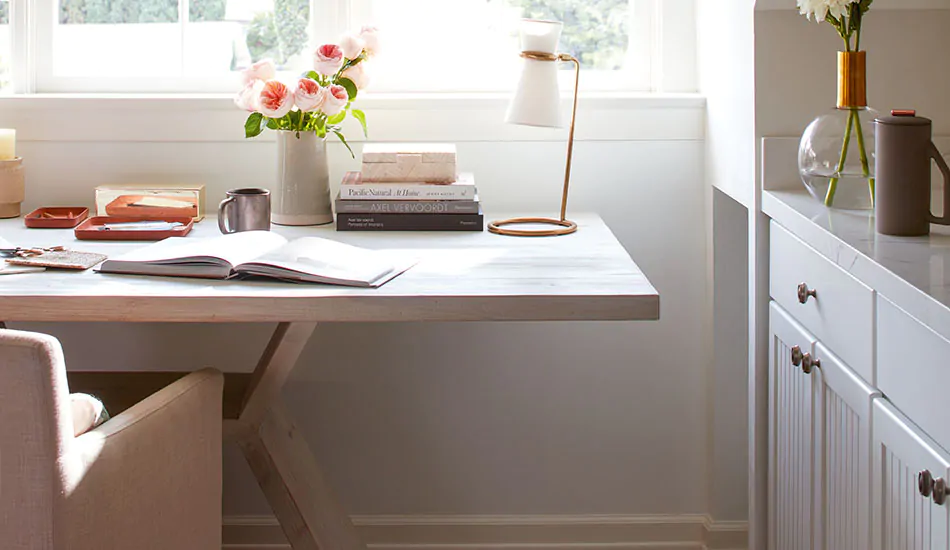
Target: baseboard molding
548, 532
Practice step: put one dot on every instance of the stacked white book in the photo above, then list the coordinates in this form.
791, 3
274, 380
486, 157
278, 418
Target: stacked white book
408, 188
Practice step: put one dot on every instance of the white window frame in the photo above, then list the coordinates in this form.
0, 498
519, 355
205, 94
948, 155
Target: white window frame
665, 51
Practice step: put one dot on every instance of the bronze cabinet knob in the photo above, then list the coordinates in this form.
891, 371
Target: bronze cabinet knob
810, 363
925, 483
804, 293
940, 491
796, 356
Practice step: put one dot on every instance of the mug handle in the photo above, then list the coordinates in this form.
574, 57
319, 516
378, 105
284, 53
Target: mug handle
223, 224
945, 170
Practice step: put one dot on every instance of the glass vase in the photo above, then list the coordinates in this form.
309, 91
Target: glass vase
836, 152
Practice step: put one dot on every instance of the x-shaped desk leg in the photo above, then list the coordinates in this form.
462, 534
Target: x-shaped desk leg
308, 512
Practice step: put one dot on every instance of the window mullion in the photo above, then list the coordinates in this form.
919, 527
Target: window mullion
183, 8
25, 25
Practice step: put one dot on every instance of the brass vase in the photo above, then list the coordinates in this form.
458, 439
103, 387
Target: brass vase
835, 155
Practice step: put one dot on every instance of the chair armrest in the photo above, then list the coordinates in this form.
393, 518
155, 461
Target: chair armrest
150, 478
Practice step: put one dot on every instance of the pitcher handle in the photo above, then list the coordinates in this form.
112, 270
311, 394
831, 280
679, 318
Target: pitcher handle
945, 170
223, 224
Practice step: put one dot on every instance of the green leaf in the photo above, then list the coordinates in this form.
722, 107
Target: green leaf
361, 116
350, 87
343, 139
273, 124
337, 118
253, 125
313, 75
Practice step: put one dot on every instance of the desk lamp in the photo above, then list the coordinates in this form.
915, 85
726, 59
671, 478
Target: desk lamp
537, 103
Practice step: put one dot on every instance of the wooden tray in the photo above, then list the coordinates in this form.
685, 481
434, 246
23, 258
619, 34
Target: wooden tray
89, 229
59, 217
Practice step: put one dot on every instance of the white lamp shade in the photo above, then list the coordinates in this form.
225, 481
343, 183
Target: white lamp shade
537, 100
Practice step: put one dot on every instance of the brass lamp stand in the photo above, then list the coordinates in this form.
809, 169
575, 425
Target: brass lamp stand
563, 225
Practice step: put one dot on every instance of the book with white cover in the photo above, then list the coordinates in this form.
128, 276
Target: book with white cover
265, 254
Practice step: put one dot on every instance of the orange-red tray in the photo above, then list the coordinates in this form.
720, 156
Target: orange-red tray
59, 217
90, 230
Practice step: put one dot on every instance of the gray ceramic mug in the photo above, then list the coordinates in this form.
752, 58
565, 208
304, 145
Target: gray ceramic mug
245, 209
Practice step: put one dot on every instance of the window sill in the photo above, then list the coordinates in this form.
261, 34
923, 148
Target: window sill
392, 117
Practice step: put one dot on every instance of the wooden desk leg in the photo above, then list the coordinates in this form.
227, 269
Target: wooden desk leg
308, 512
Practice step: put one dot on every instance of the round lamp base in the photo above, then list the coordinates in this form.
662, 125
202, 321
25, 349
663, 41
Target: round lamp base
564, 227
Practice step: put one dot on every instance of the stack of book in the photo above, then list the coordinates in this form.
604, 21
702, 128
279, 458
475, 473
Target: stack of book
408, 188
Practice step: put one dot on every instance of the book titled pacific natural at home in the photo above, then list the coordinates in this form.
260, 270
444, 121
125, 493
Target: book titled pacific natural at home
410, 222
353, 188
406, 207
264, 254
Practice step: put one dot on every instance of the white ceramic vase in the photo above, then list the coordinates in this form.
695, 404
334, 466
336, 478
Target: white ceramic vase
301, 195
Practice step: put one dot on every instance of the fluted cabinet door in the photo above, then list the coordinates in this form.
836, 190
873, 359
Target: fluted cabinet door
843, 452
903, 518
791, 436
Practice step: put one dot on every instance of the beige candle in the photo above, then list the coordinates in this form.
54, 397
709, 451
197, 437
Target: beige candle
7, 144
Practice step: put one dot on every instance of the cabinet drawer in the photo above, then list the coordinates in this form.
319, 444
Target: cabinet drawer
914, 369
840, 314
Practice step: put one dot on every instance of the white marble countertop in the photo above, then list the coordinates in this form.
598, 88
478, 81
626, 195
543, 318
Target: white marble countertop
912, 272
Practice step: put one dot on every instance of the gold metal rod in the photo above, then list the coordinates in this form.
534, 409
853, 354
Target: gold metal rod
570, 137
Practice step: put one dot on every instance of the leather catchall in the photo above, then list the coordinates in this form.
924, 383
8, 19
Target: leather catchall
904, 149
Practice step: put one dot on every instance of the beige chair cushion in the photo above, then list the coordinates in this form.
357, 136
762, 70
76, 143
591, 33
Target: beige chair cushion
88, 412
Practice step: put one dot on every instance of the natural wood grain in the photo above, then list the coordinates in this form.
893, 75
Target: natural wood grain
272, 370
470, 277
310, 515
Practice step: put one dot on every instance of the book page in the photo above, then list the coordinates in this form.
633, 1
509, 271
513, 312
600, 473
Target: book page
234, 248
327, 260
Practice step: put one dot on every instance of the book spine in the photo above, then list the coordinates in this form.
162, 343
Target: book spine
410, 222
406, 207
407, 192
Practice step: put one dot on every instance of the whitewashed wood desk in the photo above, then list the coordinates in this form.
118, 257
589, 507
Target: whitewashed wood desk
460, 277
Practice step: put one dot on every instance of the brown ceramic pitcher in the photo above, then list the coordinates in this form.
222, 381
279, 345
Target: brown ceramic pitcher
902, 166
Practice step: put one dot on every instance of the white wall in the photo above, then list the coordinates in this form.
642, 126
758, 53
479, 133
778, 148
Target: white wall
518, 418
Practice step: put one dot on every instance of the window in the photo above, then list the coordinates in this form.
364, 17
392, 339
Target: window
430, 45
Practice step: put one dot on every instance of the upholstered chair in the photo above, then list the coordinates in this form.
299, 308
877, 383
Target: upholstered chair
149, 478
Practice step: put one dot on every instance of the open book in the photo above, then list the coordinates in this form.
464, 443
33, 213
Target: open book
262, 253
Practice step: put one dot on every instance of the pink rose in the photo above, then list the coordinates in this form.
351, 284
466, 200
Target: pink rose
370, 40
336, 100
248, 96
262, 70
309, 96
358, 74
275, 99
328, 59
352, 46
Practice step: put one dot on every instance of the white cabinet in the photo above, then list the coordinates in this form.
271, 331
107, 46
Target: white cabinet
819, 444
791, 433
843, 470
909, 485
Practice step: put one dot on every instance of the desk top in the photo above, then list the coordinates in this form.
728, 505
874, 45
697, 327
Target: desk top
460, 277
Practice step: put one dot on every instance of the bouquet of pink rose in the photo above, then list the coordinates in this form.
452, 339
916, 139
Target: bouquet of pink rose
319, 100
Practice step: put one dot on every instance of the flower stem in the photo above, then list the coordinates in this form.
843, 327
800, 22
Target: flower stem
833, 184
862, 150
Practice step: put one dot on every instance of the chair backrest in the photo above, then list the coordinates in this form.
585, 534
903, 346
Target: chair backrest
35, 429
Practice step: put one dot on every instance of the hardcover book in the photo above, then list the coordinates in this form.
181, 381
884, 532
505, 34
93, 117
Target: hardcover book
264, 254
354, 188
410, 222
406, 207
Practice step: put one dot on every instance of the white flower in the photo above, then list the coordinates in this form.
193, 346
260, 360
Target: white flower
370, 37
352, 46
262, 70
819, 9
